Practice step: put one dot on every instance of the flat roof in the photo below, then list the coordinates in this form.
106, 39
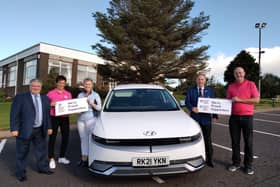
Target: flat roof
54, 50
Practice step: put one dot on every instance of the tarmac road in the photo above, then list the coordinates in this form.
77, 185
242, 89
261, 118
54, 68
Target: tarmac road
266, 164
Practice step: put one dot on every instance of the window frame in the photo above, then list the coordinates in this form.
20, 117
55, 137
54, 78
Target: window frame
87, 71
9, 82
59, 64
33, 67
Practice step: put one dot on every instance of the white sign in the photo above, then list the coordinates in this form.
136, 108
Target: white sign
214, 106
71, 106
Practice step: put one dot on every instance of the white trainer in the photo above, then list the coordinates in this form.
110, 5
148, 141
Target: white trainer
63, 160
52, 164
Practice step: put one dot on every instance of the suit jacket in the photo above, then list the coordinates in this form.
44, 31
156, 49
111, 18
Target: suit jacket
192, 100
22, 115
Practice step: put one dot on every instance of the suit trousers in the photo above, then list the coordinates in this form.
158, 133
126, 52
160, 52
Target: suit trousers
236, 125
206, 131
40, 148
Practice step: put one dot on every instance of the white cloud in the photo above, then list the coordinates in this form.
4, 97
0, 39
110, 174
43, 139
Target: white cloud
270, 62
218, 66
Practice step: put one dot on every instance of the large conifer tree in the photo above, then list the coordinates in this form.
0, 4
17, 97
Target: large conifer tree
148, 40
248, 63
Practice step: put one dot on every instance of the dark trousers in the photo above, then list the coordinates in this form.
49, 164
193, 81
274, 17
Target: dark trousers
40, 147
244, 124
206, 131
63, 123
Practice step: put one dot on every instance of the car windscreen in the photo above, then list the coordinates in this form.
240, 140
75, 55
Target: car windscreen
128, 100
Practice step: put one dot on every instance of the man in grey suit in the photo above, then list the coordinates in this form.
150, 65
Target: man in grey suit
30, 122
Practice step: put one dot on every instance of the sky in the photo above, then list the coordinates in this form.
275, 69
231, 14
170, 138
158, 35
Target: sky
69, 23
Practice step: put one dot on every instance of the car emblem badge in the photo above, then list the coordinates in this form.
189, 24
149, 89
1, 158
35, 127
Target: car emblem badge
149, 133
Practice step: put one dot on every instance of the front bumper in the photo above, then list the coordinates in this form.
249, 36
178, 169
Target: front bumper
126, 168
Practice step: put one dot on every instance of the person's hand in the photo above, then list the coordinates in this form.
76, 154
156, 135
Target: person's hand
214, 120
53, 103
14, 133
50, 131
236, 99
94, 105
89, 102
195, 109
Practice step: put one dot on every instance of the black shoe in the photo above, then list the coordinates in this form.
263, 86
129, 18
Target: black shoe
47, 172
21, 178
210, 164
82, 163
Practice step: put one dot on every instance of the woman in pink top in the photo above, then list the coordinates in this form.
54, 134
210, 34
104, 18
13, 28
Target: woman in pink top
243, 94
59, 94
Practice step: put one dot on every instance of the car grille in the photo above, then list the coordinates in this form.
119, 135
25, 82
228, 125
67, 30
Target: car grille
147, 142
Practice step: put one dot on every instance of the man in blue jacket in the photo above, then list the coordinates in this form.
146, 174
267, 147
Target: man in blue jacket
30, 122
204, 120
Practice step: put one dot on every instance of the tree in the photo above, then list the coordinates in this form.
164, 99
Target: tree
219, 88
149, 40
270, 86
49, 83
247, 62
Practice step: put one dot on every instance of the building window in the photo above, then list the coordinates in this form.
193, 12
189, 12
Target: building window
86, 72
30, 70
12, 76
1, 78
61, 68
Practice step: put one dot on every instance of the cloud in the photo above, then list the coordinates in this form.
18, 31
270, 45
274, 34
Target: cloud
218, 66
270, 62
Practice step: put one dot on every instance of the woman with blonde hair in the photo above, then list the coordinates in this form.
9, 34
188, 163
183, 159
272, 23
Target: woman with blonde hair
86, 120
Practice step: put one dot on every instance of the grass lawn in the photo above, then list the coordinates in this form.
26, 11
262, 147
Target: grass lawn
5, 116
5, 111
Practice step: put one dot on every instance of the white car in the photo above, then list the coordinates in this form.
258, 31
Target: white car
142, 130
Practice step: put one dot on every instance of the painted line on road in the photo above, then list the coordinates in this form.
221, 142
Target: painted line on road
2, 144
266, 120
229, 149
158, 180
268, 114
261, 132
267, 133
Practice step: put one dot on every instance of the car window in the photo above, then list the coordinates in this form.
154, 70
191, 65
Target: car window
140, 100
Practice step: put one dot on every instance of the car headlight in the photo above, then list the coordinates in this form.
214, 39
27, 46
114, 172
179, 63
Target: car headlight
104, 141
190, 138
97, 139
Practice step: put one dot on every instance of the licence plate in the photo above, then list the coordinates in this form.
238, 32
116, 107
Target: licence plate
150, 161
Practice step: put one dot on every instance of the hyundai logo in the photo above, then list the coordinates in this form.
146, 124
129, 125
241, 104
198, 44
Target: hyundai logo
149, 133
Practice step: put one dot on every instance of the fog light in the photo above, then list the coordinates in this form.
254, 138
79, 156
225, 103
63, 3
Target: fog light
100, 166
196, 162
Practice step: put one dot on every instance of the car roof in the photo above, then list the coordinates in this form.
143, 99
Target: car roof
137, 86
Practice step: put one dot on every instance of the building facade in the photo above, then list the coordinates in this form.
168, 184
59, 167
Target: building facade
37, 61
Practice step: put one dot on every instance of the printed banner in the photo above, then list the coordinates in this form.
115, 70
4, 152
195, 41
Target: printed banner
214, 106
71, 106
